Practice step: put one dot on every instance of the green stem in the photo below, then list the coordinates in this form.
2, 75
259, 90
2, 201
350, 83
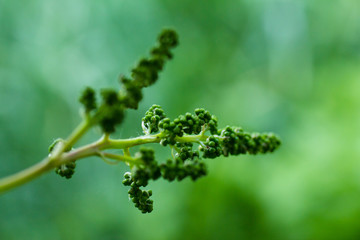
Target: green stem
191, 138
59, 157
79, 131
54, 160
131, 142
118, 157
25, 176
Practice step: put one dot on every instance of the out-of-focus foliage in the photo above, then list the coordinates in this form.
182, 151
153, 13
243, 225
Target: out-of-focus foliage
291, 67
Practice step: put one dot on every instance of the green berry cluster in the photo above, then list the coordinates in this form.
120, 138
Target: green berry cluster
141, 198
140, 176
179, 169
206, 118
211, 148
181, 134
185, 151
147, 70
235, 141
188, 123
152, 118
88, 99
64, 170
186, 163
111, 111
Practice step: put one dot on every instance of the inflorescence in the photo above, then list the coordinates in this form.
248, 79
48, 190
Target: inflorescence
181, 135
192, 137
111, 111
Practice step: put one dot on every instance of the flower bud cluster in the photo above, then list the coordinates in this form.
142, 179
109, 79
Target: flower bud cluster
181, 169
211, 148
139, 177
235, 141
141, 198
88, 99
187, 163
111, 112
206, 118
152, 118
188, 123
185, 151
65, 170
147, 70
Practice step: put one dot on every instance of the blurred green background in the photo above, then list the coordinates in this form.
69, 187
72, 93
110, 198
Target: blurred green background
291, 67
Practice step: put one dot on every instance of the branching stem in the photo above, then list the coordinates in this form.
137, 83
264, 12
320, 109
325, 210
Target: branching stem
59, 157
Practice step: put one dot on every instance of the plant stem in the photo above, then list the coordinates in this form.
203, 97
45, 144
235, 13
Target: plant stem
59, 157
79, 131
25, 176
47, 164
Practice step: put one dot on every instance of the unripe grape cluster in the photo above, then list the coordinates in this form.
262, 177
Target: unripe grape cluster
186, 163
235, 141
110, 113
139, 177
211, 147
192, 137
180, 135
152, 118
